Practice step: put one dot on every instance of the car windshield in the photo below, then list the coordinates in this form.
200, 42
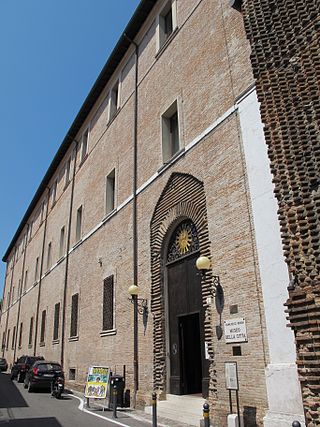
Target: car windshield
31, 360
49, 367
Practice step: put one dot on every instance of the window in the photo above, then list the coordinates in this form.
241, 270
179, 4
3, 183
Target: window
43, 326
84, 150
72, 374
30, 230
19, 288
12, 296
68, 165
74, 316
36, 270
54, 192
42, 212
49, 256
3, 341
62, 239
79, 224
107, 315
13, 338
56, 321
170, 132
26, 280
114, 100
167, 22
20, 335
110, 192
30, 331
8, 339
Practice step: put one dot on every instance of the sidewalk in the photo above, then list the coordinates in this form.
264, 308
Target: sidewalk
125, 416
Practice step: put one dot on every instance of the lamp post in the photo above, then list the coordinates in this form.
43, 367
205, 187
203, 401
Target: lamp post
140, 306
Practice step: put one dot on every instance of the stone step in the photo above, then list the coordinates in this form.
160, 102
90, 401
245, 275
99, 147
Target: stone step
186, 409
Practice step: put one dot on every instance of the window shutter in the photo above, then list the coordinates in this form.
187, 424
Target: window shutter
108, 306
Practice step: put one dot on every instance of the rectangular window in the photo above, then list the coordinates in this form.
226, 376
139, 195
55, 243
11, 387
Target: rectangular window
107, 315
68, 165
30, 230
74, 316
79, 224
42, 212
3, 341
110, 192
62, 241
72, 374
49, 256
8, 339
26, 280
84, 149
170, 132
54, 192
31, 331
43, 326
13, 338
36, 270
114, 100
20, 335
167, 22
56, 321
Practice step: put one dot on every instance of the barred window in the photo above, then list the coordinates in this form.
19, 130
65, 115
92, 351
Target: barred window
31, 331
56, 321
108, 306
43, 326
20, 334
13, 337
74, 316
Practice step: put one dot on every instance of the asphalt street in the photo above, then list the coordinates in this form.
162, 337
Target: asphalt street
18, 408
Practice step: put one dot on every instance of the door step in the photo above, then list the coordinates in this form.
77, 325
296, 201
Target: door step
186, 409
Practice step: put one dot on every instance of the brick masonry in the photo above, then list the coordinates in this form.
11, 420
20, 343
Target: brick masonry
285, 40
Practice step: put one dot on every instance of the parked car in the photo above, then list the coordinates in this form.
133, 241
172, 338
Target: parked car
42, 375
22, 365
3, 364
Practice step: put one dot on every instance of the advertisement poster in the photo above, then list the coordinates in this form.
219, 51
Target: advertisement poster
97, 382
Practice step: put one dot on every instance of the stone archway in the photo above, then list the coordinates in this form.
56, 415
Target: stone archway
183, 197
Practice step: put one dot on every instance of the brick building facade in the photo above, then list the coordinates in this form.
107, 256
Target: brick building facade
165, 161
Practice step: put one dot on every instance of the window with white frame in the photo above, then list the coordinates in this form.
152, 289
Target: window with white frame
54, 192
167, 22
49, 255
84, 145
67, 176
36, 270
110, 192
170, 132
114, 100
79, 223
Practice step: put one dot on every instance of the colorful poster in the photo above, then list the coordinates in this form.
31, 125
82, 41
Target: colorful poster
97, 382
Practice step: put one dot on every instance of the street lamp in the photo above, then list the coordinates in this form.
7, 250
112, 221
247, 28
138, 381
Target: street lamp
203, 264
140, 306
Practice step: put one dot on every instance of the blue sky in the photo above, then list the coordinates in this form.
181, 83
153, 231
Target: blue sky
51, 52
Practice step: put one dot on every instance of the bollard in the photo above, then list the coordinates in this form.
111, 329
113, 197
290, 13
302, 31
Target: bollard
296, 424
154, 409
206, 415
115, 401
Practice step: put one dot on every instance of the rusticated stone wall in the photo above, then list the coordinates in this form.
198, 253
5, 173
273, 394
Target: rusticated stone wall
285, 42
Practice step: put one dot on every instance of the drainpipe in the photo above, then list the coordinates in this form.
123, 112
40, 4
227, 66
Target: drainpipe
67, 257
40, 277
8, 308
134, 226
20, 294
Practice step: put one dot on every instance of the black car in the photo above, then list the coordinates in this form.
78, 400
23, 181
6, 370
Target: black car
22, 365
3, 364
42, 375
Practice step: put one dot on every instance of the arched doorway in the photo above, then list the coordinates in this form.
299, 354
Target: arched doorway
186, 361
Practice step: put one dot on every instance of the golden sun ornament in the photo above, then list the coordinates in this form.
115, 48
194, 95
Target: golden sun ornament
184, 240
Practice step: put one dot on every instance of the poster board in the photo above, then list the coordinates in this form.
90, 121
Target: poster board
97, 382
231, 375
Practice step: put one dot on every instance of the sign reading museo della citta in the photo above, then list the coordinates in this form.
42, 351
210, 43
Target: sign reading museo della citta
235, 330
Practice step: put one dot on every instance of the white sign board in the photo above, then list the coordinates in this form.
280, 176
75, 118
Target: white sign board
231, 375
235, 330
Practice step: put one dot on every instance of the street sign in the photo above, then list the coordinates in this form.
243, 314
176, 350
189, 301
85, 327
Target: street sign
231, 375
235, 330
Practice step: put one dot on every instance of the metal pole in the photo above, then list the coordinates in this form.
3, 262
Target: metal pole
154, 409
135, 350
238, 408
230, 401
206, 415
115, 401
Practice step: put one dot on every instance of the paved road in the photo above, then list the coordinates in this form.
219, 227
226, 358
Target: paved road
18, 408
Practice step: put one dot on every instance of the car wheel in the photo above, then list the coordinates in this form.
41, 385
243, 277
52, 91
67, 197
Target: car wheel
12, 377
20, 378
30, 388
25, 385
